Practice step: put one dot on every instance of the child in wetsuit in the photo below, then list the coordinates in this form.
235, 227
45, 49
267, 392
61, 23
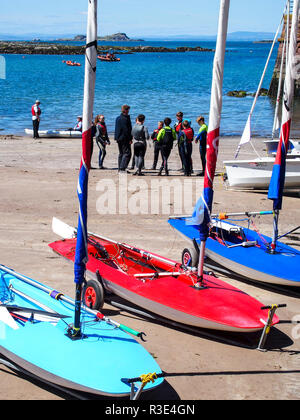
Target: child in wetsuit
156, 144
166, 138
185, 139
140, 136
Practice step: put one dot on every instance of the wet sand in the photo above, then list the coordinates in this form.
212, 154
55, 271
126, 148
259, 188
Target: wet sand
38, 181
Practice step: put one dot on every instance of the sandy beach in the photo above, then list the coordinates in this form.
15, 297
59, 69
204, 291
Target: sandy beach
38, 181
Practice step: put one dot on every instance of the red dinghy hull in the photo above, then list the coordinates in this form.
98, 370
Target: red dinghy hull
163, 287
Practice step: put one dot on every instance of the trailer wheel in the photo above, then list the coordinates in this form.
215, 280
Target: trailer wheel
93, 295
190, 257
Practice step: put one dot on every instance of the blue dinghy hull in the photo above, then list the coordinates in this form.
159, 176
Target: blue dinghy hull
254, 262
97, 363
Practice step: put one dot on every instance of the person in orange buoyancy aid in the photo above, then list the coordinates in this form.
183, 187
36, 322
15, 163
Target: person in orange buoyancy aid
36, 113
185, 140
102, 138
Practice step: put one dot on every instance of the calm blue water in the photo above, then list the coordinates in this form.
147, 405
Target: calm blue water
157, 85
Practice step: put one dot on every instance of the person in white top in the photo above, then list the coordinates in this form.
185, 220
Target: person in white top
78, 126
36, 116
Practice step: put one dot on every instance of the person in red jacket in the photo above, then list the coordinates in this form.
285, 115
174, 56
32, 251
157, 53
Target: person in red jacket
36, 113
178, 127
185, 140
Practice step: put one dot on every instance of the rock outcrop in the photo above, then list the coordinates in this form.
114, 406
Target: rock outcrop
24, 47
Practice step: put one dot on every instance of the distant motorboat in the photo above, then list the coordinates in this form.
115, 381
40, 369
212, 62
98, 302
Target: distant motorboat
72, 63
108, 58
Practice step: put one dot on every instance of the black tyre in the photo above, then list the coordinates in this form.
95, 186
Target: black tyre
93, 295
189, 257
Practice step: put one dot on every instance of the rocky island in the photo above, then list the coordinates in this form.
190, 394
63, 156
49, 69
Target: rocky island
118, 37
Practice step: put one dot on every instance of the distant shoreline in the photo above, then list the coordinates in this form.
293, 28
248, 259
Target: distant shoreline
25, 48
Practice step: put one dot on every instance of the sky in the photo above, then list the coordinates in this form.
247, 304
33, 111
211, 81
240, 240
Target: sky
155, 18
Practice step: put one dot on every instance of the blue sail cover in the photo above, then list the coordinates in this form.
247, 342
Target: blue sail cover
81, 254
201, 214
278, 175
202, 211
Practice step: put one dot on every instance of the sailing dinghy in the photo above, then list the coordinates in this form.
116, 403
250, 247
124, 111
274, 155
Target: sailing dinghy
241, 250
35, 335
159, 284
93, 353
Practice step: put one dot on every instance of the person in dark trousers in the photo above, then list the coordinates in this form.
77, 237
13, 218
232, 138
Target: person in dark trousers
123, 137
201, 137
102, 138
140, 136
36, 114
178, 128
186, 136
157, 149
166, 138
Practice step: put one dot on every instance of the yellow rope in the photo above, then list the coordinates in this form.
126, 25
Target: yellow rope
150, 377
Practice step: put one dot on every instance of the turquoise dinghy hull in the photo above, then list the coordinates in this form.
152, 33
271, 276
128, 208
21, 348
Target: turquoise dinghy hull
254, 262
97, 363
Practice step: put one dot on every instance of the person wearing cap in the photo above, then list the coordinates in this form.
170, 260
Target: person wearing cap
78, 126
36, 113
123, 137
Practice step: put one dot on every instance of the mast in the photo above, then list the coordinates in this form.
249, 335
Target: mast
81, 255
204, 205
278, 174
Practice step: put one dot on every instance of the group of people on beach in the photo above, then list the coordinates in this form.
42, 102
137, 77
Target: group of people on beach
163, 138
126, 135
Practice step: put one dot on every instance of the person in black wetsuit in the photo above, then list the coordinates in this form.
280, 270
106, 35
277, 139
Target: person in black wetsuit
140, 136
202, 138
123, 137
185, 139
102, 138
178, 128
156, 144
166, 138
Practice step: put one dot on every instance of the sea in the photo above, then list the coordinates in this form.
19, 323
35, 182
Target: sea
157, 85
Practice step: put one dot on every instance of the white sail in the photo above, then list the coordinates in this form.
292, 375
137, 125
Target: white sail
246, 136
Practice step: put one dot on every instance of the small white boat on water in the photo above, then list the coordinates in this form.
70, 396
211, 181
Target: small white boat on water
256, 173
55, 133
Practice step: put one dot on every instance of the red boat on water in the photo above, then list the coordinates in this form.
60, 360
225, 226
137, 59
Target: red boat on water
71, 63
162, 286
108, 57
